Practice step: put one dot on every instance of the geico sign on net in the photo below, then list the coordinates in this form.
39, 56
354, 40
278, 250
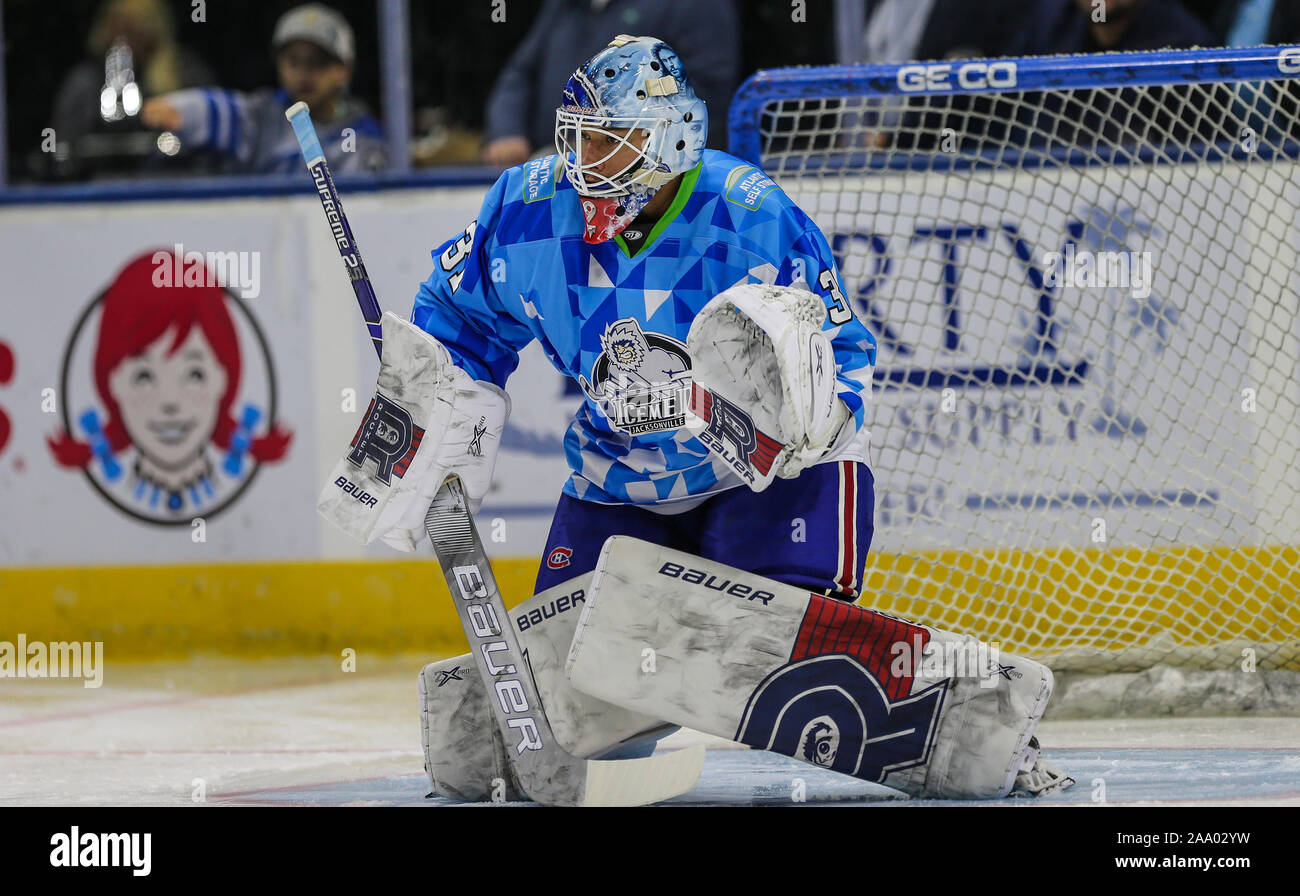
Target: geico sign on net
969, 76
1288, 60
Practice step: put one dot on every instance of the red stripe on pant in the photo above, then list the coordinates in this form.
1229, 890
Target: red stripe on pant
848, 529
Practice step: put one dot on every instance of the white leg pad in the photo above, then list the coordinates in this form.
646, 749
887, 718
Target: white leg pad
463, 751
931, 713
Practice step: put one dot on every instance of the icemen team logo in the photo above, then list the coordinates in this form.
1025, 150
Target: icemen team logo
169, 395
837, 705
640, 381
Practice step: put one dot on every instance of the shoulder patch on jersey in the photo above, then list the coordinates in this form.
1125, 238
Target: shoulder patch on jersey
540, 178
747, 187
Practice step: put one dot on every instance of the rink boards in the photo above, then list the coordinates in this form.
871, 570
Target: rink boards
241, 563
1058, 598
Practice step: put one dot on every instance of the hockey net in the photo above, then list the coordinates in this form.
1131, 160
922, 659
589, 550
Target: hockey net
1083, 276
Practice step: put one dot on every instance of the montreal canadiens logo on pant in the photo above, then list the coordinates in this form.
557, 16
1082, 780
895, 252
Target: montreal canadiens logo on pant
830, 711
388, 436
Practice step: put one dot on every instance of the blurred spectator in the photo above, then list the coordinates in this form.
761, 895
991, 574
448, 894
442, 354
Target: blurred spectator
771, 36
1249, 23
1205, 10
1096, 26
521, 109
1270, 112
906, 30
132, 44
898, 31
1165, 119
314, 53
457, 52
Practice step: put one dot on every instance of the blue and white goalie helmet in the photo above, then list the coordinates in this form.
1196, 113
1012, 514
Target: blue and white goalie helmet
629, 123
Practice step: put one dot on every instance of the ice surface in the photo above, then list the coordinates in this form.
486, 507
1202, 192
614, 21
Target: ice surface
220, 731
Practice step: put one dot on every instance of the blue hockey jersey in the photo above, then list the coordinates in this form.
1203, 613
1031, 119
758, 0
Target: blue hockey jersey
615, 319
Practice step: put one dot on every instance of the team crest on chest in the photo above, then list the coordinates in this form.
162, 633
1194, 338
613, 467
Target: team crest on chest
641, 381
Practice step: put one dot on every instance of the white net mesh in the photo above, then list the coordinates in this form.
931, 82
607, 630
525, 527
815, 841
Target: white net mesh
1091, 455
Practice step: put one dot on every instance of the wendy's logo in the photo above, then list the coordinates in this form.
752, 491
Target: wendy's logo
172, 389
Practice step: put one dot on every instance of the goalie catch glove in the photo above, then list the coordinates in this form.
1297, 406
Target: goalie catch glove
763, 350
428, 420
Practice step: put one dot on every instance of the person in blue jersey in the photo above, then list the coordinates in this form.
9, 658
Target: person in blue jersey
605, 253
315, 54
725, 376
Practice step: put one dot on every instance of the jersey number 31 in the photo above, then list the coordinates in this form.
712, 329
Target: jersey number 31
455, 254
840, 312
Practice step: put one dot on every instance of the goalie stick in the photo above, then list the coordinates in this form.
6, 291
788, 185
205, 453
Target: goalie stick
547, 772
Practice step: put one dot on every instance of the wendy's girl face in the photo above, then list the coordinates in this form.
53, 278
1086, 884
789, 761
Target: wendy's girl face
169, 401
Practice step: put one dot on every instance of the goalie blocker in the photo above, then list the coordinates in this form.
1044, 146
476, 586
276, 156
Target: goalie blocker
427, 420
799, 674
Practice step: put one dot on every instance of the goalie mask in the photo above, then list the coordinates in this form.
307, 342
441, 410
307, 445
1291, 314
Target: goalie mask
629, 123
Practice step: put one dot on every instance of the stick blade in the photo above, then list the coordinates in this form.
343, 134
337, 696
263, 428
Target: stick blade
639, 782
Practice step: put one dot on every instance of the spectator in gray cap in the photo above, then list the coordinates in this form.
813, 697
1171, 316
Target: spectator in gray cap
314, 56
